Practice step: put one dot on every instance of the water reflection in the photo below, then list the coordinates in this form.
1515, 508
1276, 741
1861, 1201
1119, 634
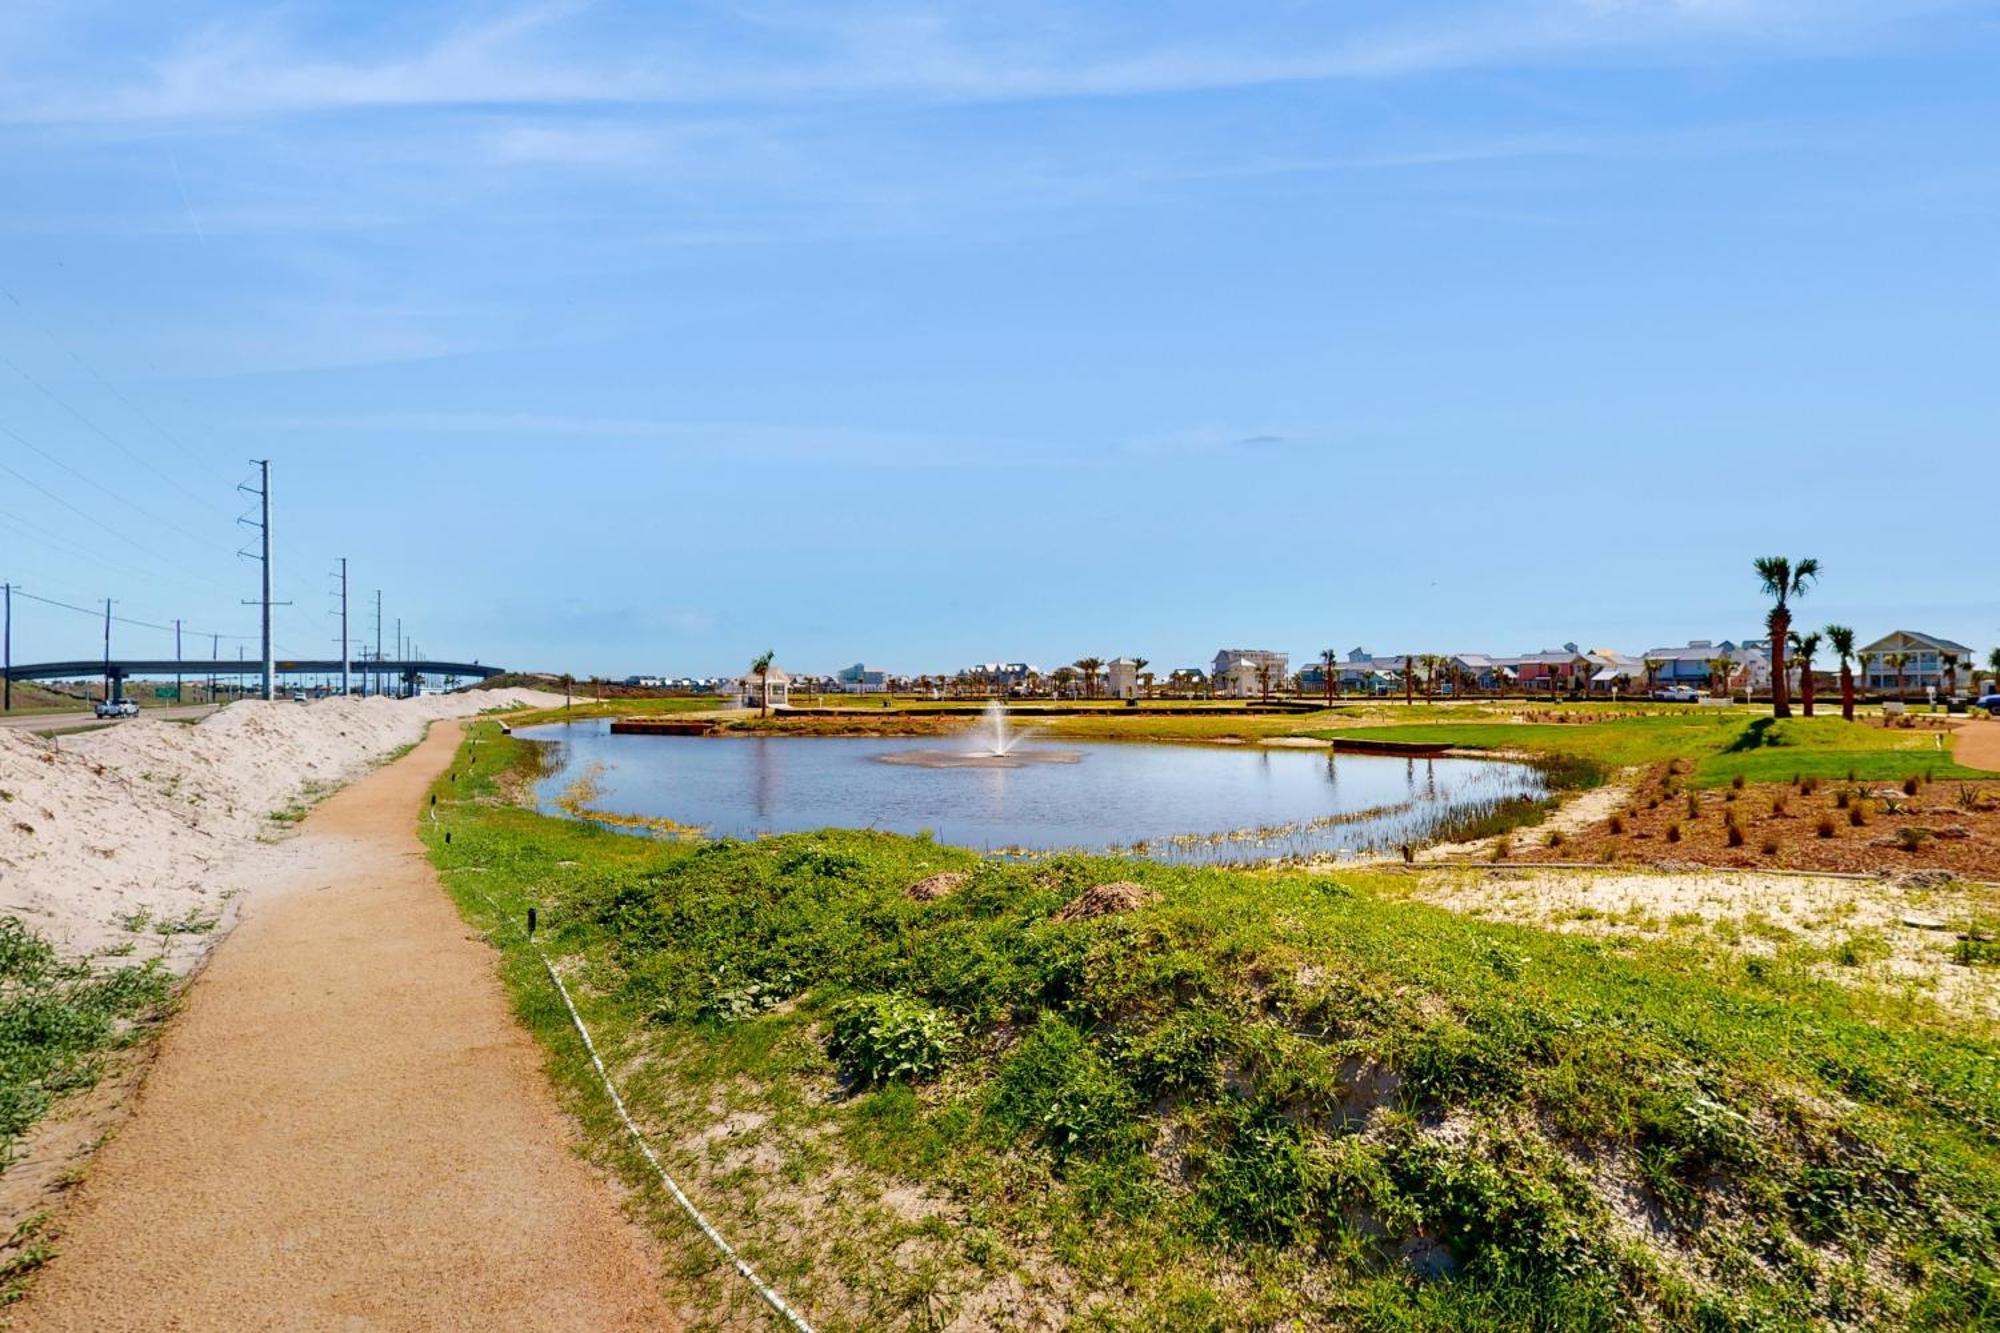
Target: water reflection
1174, 802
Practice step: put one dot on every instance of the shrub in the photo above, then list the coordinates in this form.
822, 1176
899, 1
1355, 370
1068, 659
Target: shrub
1777, 806
1731, 794
1735, 834
1857, 814
1737, 782
1673, 832
1694, 806
1825, 827
1555, 837
1912, 836
1842, 799
887, 1038
1770, 847
1616, 824
1910, 786
1809, 786
1056, 1086
1503, 848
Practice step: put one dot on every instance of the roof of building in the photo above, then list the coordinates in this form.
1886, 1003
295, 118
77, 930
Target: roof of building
1937, 642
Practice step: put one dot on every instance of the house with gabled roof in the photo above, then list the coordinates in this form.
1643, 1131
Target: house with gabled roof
1925, 665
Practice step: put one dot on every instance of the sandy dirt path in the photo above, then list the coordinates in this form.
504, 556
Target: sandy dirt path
1977, 745
345, 1129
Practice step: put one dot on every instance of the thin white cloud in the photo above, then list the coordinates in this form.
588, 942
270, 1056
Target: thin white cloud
543, 56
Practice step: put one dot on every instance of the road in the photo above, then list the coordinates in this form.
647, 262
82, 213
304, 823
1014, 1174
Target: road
346, 1129
84, 720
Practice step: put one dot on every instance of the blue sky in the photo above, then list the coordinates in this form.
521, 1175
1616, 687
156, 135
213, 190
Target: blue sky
635, 337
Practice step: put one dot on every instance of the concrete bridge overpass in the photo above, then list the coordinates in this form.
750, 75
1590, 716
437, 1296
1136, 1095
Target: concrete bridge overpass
121, 669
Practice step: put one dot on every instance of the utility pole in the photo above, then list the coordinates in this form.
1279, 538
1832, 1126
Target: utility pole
401, 658
262, 490
346, 649
7, 650
214, 656
107, 648
179, 696
378, 641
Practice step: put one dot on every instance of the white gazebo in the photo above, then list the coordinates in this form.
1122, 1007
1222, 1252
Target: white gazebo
772, 689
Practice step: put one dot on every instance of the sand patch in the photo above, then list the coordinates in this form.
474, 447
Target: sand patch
123, 839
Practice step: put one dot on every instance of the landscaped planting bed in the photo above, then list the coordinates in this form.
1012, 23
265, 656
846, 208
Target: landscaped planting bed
1864, 825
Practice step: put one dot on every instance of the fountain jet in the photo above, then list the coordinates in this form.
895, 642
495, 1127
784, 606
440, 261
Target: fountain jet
999, 737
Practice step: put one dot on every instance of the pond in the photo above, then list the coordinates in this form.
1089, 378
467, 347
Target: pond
1209, 804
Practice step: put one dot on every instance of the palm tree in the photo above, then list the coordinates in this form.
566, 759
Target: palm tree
1949, 663
1652, 665
1139, 665
1804, 646
1409, 678
1328, 660
1267, 672
1782, 580
760, 667
1896, 662
1089, 666
1842, 639
1719, 669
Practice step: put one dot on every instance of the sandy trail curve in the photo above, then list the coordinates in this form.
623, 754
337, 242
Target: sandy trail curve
346, 1129
1977, 745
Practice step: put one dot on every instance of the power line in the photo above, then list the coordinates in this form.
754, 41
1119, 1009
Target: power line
96, 612
106, 384
99, 431
93, 482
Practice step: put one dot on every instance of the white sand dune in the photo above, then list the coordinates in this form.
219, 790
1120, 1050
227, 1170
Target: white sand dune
107, 836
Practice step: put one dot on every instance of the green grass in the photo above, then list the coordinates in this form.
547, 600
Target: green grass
58, 1020
1267, 1099
582, 707
1720, 747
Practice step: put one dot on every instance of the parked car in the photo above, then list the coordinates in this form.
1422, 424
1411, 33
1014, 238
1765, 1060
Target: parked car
1677, 694
117, 708
1990, 702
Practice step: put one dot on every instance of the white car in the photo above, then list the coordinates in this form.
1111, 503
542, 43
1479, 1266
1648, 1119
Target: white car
1677, 694
117, 708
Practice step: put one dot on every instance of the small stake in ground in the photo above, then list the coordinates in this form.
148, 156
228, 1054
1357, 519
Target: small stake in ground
531, 922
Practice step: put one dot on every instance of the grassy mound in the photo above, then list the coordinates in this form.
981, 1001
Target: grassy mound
1249, 1099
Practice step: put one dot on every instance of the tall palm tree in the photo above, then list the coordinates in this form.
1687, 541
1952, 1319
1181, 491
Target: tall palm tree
1139, 665
760, 667
1896, 662
1949, 664
1409, 678
1782, 581
1842, 639
1328, 660
1267, 674
1652, 665
1803, 647
1089, 667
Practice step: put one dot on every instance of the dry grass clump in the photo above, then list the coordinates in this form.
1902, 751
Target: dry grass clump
941, 885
